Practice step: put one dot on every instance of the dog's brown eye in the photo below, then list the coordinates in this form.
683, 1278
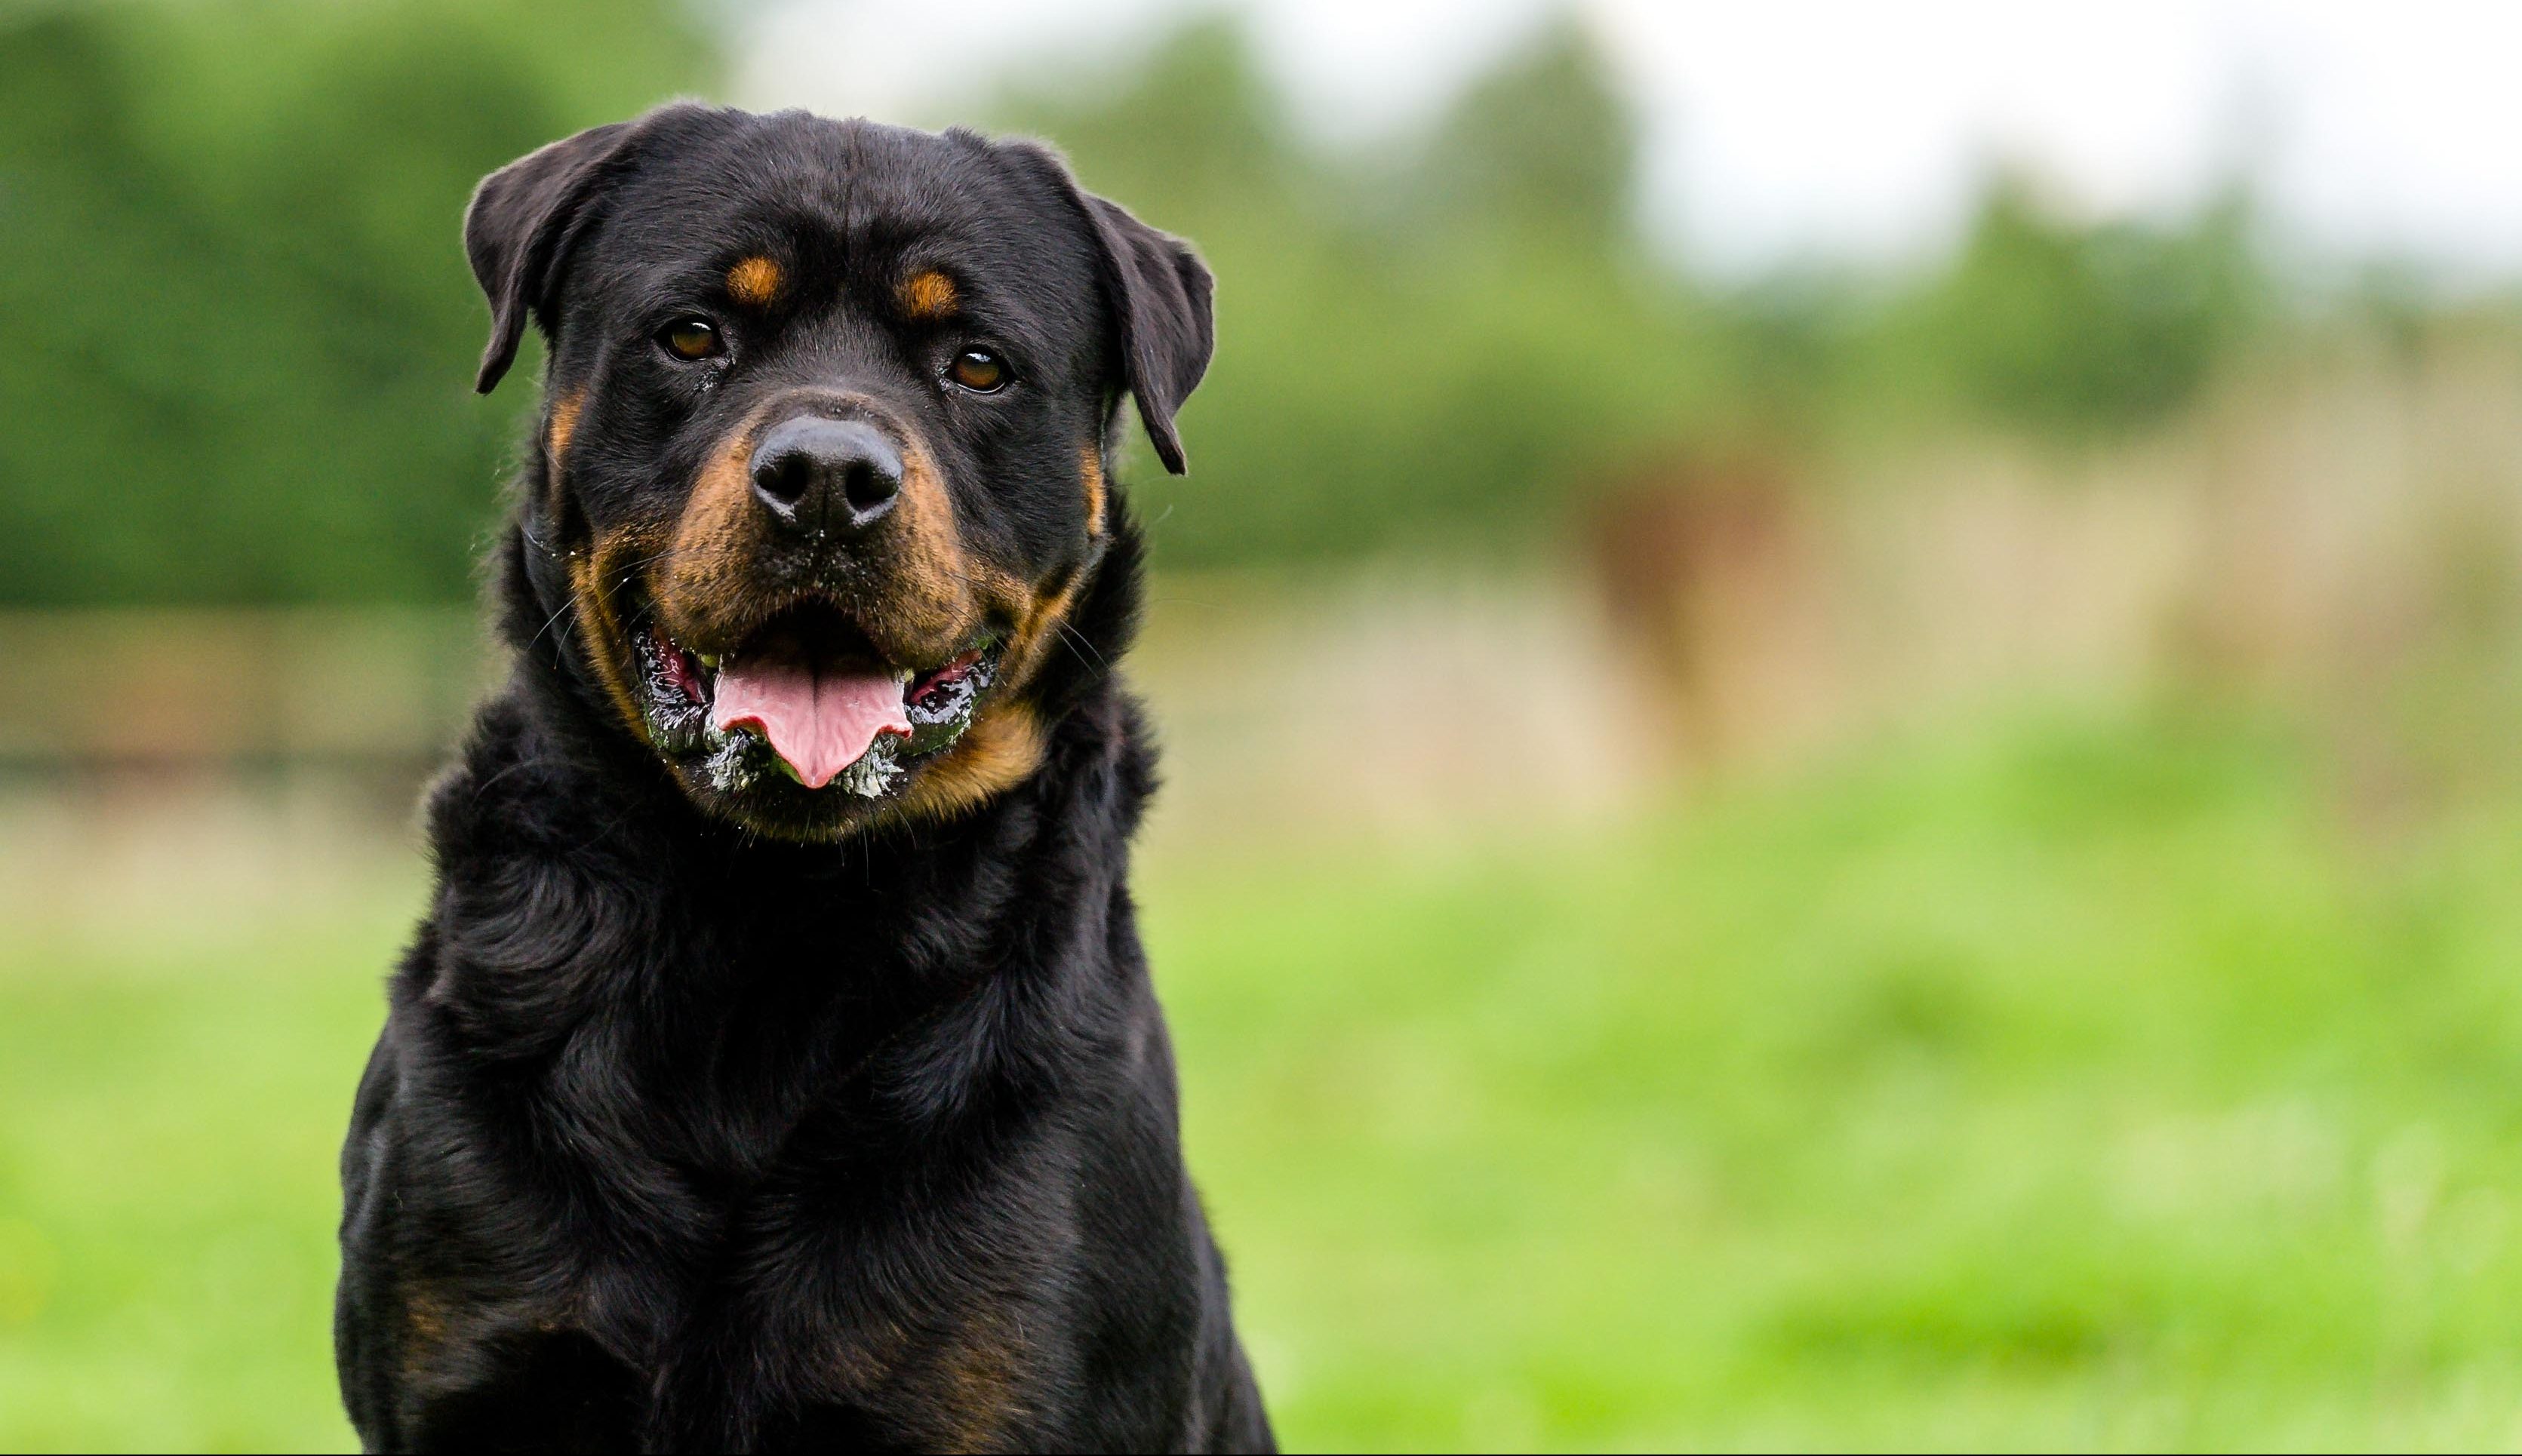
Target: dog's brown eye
978, 370
691, 339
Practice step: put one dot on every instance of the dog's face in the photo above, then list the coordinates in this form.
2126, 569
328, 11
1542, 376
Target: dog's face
826, 421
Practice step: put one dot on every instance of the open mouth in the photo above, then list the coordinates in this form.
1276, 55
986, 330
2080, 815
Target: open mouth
806, 694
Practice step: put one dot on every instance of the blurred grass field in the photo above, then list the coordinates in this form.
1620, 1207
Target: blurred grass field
2087, 1083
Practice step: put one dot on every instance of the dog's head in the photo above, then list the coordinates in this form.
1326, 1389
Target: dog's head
821, 472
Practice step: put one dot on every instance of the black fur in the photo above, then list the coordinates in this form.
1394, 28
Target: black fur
686, 1135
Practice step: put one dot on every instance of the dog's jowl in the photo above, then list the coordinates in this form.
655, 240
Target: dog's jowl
775, 1066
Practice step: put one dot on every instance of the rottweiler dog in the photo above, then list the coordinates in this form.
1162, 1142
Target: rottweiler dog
776, 1066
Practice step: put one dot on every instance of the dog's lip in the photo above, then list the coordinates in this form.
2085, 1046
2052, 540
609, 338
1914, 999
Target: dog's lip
695, 673
924, 685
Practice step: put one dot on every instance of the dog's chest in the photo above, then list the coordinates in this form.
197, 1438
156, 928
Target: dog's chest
829, 1299
735, 1216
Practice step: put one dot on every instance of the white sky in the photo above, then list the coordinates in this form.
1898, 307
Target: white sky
1803, 128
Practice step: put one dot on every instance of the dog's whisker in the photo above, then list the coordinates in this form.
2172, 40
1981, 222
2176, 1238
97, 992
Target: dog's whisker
1075, 640
557, 614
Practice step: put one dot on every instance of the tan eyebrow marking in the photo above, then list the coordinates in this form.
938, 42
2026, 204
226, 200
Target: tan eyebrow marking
755, 282
928, 294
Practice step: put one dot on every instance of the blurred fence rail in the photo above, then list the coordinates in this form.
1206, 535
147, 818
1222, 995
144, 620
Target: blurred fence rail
189, 689
2331, 535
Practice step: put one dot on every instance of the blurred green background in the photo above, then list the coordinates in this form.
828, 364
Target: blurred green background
1914, 852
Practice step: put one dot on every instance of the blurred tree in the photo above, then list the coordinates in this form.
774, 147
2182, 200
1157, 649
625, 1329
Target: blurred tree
1194, 133
232, 228
2061, 328
1543, 144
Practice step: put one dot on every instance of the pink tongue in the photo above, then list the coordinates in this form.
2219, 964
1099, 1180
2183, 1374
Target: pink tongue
822, 722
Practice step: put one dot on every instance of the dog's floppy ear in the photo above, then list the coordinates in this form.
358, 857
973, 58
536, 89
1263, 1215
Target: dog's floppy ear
1168, 329
521, 221
1160, 296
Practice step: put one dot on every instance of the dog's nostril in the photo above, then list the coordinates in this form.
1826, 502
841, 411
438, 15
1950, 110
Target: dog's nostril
785, 476
869, 487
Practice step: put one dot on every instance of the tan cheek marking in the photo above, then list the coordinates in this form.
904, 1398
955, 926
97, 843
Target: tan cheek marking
755, 282
593, 576
1003, 745
1031, 641
1091, 465
564, 424
1005, 742
928, 295
700, 589
938, 593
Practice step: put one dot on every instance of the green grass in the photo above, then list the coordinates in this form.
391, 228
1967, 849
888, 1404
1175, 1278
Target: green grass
170, 1116
2086, 1085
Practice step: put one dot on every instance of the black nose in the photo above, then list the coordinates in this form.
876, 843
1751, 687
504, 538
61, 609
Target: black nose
815, 473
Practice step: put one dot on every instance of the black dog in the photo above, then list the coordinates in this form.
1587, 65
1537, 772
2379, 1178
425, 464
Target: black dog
776, 1066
